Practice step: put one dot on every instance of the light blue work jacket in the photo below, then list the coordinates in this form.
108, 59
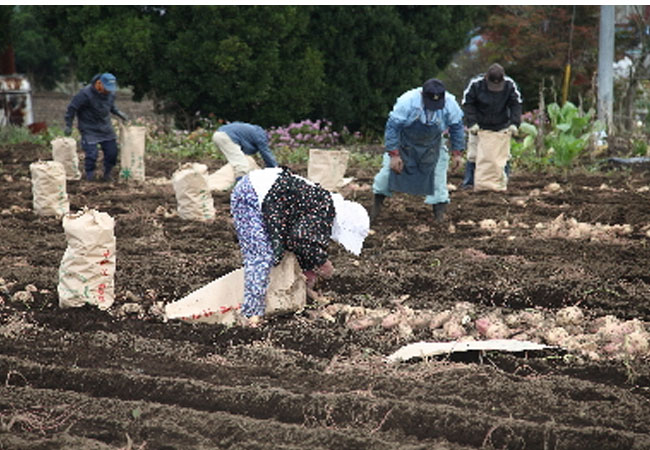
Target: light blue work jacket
417, 133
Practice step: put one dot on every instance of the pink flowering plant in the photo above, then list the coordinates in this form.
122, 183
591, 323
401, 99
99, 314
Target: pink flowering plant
533, 117
291, 143
309, 133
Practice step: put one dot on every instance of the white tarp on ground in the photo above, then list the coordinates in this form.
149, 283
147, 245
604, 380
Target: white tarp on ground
427, 349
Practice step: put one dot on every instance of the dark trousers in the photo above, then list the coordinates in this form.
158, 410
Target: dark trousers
91, 151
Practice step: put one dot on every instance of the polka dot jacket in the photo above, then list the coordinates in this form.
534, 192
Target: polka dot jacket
298, 218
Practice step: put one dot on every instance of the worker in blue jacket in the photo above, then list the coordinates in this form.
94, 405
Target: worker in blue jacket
238, 139
93, 106
416, 161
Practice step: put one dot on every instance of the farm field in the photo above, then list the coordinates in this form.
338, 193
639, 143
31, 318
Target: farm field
563, 263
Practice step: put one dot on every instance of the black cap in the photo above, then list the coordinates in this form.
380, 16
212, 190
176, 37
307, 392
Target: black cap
494, 77
433, 94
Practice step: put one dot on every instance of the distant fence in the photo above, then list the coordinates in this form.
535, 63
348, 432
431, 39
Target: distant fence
50, 107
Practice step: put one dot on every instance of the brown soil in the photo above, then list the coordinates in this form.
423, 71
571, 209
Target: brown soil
83, 378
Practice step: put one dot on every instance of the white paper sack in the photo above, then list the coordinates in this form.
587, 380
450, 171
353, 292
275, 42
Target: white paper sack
49, 194
132, 146
492, 155
327, 167
427, 349
194, 199
64, 150
87, 270
224, 178
219, 301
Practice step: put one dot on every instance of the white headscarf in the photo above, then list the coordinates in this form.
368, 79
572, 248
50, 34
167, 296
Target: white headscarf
351, 224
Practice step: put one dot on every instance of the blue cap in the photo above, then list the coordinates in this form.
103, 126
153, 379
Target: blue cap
109, 81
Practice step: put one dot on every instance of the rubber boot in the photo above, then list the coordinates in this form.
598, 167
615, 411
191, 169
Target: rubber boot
439, 211
468, 180
107, 177
90, 175
508, 169
376, 207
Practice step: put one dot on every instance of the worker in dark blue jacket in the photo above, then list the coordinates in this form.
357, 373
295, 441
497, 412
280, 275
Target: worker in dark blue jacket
93, 106
238, 139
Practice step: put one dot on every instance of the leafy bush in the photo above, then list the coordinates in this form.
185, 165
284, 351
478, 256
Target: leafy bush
570, 134
179, 144
289, 156
524, 152
366, 160
15, 135
183, 144
12, 135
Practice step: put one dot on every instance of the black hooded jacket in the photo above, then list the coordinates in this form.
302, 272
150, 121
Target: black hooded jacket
492, 110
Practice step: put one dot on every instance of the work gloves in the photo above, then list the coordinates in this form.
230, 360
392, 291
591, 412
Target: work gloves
456, 160
68, 130
473, 129
396, 163
513, 130
122, 116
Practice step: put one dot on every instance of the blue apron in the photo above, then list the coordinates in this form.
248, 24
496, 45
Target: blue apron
420, 150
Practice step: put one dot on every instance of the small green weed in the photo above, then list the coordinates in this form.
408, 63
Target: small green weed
291, 155
364, 160
12, 135
639, 147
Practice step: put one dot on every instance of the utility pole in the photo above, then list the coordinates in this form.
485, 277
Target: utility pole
605, 68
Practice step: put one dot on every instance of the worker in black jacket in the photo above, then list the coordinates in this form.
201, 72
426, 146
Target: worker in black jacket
492, 101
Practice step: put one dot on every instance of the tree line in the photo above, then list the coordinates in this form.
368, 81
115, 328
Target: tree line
265, 64
273, 65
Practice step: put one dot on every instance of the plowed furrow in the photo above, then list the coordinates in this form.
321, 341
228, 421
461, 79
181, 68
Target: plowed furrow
424, 421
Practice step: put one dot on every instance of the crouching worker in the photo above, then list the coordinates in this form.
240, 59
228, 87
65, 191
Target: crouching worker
238, 139
275, 211
415, 161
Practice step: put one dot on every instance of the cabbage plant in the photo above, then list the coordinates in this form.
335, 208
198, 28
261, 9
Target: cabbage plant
569, 135
524, 151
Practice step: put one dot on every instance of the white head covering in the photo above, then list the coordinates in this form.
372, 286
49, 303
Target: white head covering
351, 224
